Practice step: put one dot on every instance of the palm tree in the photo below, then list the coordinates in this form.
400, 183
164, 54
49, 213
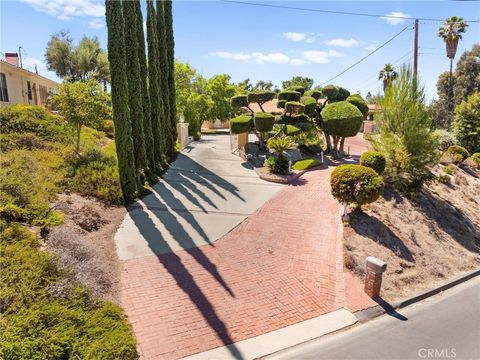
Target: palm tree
450, 32
387, 74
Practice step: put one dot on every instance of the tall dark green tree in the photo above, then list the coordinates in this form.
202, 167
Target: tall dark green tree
134, 88
164, 69
167, 9
147, 125
121, 116
153, 86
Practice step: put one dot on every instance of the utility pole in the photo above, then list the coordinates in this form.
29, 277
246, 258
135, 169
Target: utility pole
415, 52
20, 56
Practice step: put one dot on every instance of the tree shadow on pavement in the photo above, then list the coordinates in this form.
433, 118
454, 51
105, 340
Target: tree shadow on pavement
185, 281
389, 309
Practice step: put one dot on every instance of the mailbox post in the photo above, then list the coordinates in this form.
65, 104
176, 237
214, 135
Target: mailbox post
373, 276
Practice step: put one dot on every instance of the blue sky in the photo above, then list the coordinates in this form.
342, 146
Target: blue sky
262, 43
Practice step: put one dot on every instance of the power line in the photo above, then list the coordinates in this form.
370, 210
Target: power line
335, 12
368, 55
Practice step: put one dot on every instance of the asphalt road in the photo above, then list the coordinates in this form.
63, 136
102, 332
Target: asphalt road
446, 326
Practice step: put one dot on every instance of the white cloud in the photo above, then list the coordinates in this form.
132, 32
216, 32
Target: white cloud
259, 58
96, 24
372, 46
297, 61
395, 17
308, 37
66, 9
347, 43
320, 57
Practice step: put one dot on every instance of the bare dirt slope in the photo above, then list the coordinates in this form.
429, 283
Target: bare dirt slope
85, 243
424, 241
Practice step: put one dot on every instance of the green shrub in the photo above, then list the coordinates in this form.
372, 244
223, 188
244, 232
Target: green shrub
263, 121
445, 139
341, 119
460, 153
299, 89
444, 179
292, 130
476, 158
294, 107
36, 120
466, 123
289, 95
241, 124
342, 94
355, 184
281, 103
277, 165
316, 94
40, 322
375, 160
361, 104
280, 144
238, 101
310, 105
448, 170
108, 128
260, 96
331, 92
306, 164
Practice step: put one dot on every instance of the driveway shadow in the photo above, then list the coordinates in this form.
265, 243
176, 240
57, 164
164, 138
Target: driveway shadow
185, 281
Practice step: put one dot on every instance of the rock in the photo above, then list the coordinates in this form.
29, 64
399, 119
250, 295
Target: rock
67, 192
251, 149
293, 155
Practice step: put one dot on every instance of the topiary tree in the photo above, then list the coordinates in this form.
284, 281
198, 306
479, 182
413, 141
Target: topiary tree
375, 160
466, 124
355, 184
361, 104
340, 120
241, 124
260, 98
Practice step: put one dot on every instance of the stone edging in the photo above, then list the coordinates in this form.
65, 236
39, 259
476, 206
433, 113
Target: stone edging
373, 312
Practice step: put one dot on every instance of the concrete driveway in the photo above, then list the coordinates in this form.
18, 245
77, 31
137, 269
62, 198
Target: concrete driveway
206, 192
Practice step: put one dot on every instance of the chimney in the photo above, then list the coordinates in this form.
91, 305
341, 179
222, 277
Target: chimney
12, 58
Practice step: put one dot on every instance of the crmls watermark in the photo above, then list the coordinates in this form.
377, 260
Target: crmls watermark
435, 353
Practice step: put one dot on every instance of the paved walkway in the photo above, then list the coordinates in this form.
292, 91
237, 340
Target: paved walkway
280, 266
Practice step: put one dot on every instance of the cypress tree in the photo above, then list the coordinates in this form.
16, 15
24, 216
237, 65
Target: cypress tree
167, 9
147, 125
121, 117
163, 70
134, 88
153, 88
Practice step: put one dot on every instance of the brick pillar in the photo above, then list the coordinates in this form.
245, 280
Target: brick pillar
373, 276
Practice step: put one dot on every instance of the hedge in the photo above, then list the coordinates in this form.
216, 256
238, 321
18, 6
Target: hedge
330, 91
341, 119
294, 107
358, 101
289, 95
263, 121
310, 105
355, 184
260, 97
239, 101
241, 124
374, 160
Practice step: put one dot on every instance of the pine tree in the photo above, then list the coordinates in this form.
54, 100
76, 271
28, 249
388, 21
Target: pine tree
163, 70
121, 118
134, 88
153, 89
167, 9
147, 125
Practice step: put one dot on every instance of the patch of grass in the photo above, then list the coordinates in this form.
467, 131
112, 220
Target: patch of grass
42, 322
448, 170
306, 164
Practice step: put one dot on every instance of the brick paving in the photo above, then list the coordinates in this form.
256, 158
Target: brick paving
282, 265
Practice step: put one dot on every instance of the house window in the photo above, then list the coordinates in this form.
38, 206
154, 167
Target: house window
3, 88
29, 90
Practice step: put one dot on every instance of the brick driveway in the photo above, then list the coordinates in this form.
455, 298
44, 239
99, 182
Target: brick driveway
282, 265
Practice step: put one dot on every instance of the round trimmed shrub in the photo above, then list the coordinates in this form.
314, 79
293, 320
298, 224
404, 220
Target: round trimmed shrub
358, 101
310, 105
294, 107
263, 121
330, 91
289, 95
241, 124
342, 94
281, 103
260, 96
299, 89
316, 94
341, 119
355, 184
460, 153
375, 160
238, 101
476, 158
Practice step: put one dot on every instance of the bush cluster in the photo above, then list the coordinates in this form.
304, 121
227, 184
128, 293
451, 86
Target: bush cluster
356, 184
277, 164
375, 160
460, 154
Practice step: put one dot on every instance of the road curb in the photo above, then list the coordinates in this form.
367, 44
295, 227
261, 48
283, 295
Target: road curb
378, 310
